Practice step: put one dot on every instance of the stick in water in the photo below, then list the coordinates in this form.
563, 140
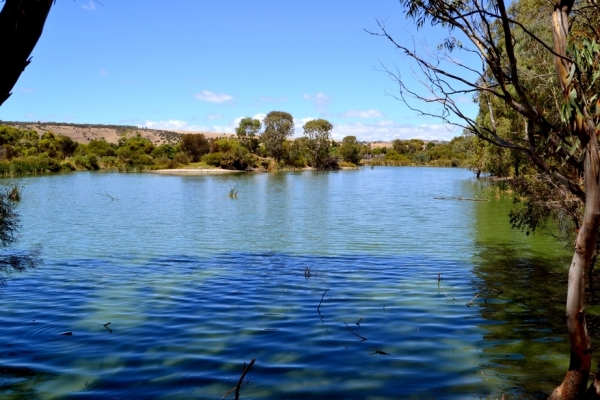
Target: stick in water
237, 388
355, 334
319, 307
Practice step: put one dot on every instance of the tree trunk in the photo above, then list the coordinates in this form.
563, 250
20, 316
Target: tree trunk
575, 382
21, 25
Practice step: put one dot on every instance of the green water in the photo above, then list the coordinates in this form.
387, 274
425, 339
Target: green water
195, 284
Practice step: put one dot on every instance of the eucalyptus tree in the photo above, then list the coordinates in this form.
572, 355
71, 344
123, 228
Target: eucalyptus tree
279, 125
557, 133
194, 145
350, 150
318, 134
248, 133
21, 25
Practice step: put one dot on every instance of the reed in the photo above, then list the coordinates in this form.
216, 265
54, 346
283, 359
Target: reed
233, 192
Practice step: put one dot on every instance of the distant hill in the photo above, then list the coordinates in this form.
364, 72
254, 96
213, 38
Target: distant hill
84, 133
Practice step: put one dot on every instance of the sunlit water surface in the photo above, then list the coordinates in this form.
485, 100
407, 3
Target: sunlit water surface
294, 273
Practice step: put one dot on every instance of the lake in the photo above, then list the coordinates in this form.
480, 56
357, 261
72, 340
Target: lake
295, 273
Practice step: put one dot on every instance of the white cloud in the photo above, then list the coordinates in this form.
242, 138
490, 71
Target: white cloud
26, 90
214, 116
320, 100
361, 114
211, 97
390, 130
299, 125
178, 125
174, 125
90, 6
236, 121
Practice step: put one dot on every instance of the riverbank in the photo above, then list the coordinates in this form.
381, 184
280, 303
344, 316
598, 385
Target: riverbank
195, 171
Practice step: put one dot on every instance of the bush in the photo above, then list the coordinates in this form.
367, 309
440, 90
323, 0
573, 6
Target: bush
181, 158
194, 145
108, 161
213, 159
68, 165
172, 164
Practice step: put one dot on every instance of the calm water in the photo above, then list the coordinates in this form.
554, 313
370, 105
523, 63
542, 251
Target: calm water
194, 284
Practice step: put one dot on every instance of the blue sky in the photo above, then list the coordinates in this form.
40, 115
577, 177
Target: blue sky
202, 65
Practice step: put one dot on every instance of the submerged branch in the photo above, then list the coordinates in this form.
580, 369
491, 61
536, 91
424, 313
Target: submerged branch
355, 334
246, 369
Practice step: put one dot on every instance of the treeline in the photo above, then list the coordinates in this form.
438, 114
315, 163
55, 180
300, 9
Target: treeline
257, 145
419, 152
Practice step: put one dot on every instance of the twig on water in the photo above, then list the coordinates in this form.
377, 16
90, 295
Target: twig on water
377, 351
355, 334
109, 196
246, 369
358, 322
307, 272
448, 296
106, 326
319, 307
233, 192
470, 301
459, 198
439, 278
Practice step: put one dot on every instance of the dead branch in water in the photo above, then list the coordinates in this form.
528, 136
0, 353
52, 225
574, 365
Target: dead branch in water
246, 369
355, 334
319, 307
377, 351
460, 198
448, 296
470, 301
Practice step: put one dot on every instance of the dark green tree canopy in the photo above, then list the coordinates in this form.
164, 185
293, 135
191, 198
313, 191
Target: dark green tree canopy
318, 135
194, 146
248, 132
279, 125
350, 150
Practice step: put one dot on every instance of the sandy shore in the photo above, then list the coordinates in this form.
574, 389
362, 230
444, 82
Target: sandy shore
195, 171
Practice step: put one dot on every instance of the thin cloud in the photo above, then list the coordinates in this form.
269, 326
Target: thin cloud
178, 125
26, 90
211, 97
236, 121
173, 125
90, 6
390, 130
214, 116
319, 100
361, 114
103, 72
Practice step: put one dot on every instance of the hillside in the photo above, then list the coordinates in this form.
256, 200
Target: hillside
83, 133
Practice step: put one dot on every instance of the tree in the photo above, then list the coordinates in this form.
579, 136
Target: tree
318, 134
194, 146
279, 125
9, 226
21, 25
247, 133
557, 134
350, 150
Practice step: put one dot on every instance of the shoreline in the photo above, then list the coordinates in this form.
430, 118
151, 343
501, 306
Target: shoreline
195, 171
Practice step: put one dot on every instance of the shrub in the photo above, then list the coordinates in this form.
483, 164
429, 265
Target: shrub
194, 145
213, 159
172, 164
181, 158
